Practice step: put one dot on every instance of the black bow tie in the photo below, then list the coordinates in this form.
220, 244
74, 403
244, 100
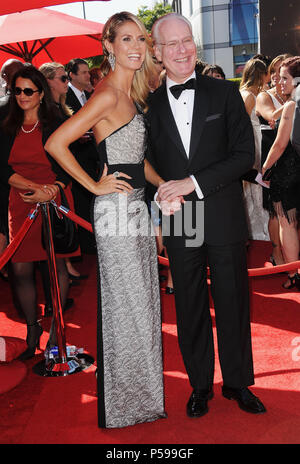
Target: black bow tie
177, 89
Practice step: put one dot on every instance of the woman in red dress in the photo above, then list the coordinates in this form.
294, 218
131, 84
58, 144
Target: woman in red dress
28, 169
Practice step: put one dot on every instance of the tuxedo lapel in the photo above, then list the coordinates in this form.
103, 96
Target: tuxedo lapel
168, 120
73, 101
201, 105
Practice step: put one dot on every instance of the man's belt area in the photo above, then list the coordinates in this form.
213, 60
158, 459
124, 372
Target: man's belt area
135, 171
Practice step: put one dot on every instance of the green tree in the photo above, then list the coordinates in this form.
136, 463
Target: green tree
148, 16
94, 61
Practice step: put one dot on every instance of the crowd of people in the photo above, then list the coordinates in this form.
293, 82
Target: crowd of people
153, 114
268, 89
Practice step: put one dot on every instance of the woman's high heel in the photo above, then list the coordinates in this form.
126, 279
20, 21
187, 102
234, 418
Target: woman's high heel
34, 333
293, 281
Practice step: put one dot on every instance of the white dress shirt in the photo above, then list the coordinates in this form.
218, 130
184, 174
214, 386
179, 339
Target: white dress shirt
79, 94
182, 109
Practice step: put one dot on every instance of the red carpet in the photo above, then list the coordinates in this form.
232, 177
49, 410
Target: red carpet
63, 410
11, 374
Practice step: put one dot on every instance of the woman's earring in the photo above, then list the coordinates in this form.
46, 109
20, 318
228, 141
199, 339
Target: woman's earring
112, 61
142, 67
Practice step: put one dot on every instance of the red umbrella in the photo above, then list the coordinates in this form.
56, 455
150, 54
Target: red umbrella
42, 35
21, 5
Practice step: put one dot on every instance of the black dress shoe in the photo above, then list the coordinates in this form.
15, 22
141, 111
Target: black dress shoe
245, 398
169, 291
197, 404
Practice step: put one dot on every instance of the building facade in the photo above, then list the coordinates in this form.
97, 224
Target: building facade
225, 31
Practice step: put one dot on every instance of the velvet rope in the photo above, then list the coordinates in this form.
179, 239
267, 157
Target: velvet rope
12, 247
259, 271
67, 212
9, 251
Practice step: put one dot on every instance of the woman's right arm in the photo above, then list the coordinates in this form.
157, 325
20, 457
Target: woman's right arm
98, 108
265, 107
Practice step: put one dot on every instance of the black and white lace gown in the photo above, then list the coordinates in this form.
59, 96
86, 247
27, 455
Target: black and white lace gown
130, 373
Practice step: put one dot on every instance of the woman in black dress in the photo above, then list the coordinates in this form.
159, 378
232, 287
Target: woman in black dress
284, 192
269, 106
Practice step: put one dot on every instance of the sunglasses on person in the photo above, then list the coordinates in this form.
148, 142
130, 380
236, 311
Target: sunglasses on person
27, 91
63, 78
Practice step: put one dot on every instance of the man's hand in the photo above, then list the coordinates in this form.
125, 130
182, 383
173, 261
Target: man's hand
173, 189
170, 207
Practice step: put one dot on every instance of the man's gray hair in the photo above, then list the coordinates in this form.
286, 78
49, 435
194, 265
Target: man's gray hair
156, 26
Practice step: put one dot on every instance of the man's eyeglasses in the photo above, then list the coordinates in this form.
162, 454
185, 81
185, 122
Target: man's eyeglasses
63, 78
27, 91
187, 43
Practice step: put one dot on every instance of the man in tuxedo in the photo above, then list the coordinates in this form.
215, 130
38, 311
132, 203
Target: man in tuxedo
201, 142
86, 151
79, 77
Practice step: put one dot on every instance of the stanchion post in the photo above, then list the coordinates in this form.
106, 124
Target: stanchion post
55, 293
60, 365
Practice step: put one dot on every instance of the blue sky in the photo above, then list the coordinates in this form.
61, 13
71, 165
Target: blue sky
101, 11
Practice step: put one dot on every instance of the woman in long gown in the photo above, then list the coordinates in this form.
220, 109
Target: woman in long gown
284, 192
252, 82
130, 376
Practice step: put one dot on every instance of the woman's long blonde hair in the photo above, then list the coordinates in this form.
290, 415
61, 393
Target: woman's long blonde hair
140, 86
49, 71
253, 75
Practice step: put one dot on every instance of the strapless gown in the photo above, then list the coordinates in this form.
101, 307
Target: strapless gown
129, 360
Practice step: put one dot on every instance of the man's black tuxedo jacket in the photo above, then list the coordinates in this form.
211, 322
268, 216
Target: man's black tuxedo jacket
85, 153
221, 151
72, 101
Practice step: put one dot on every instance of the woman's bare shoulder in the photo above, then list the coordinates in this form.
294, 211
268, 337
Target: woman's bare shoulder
288, 109
104, 98
264, 97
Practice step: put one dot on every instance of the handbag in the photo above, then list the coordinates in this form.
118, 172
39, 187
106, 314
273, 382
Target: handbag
64, 231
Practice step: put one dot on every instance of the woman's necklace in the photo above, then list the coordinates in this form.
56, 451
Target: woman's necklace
31, 130
279, 98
